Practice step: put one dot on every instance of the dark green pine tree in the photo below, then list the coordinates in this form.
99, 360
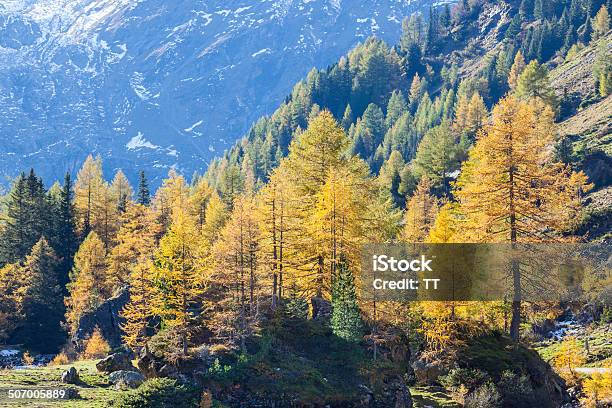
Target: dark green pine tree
347, 118
26, 215
41, 305
296, 306
63, 238
346, 319
445, 17
37, 207
14, 235
514, 28
538, 10
396, 107
374, 120
144, 196
586, 30
526, 10
431, 34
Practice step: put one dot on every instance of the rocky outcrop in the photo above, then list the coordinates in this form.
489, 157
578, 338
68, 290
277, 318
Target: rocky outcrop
106, 317
126, 379
115, 362
148, 364
70, 376
428, 372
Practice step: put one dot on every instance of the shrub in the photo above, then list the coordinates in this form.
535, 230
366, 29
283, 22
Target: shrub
569, 356
597, 390
485, 396
606, 315
159, 393
96, 346
466, 377
516, 390
27, 359
60, 359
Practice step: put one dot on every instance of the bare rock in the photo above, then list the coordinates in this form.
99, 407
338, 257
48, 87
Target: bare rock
148, 364
70, 376
126, 379
115, 362
428, 372
107, 318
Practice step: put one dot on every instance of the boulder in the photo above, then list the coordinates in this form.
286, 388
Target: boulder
428, 372
366, 398
394, 394
106, 317
115, 362
126, 379
148, 364
70, 393
70, 376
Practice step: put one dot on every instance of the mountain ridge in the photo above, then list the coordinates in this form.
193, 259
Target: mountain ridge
151, 85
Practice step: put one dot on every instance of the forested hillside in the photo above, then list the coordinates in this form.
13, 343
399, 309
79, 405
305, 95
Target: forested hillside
489, 122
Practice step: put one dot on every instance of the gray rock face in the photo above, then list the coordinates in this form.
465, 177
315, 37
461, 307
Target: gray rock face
151, 84
428, 372
70, 376
107, 318
126, 379
115, 362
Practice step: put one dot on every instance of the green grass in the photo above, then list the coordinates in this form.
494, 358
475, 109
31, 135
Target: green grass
435, 397
600, 347
94, 390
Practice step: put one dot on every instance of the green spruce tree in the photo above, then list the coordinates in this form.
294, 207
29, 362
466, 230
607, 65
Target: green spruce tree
346, 319
41, 304
144, 196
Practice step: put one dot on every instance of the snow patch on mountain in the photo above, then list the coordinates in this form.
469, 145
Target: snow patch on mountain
139, 142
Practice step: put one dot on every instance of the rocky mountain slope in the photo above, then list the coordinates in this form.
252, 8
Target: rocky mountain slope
152, 84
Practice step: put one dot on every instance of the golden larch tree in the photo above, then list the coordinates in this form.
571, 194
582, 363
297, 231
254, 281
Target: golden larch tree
509, 190
420, 213
89, 282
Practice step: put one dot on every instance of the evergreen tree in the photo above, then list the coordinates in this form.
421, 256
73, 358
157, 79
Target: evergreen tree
26, 216
64, 239
586, 31
346, 319
374, 121
347, 118
526, 9
514, 28
297, 306
390, 177
437, 156
144, 196
538, 10
396, 108
602, 70
534, 83
40, 300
